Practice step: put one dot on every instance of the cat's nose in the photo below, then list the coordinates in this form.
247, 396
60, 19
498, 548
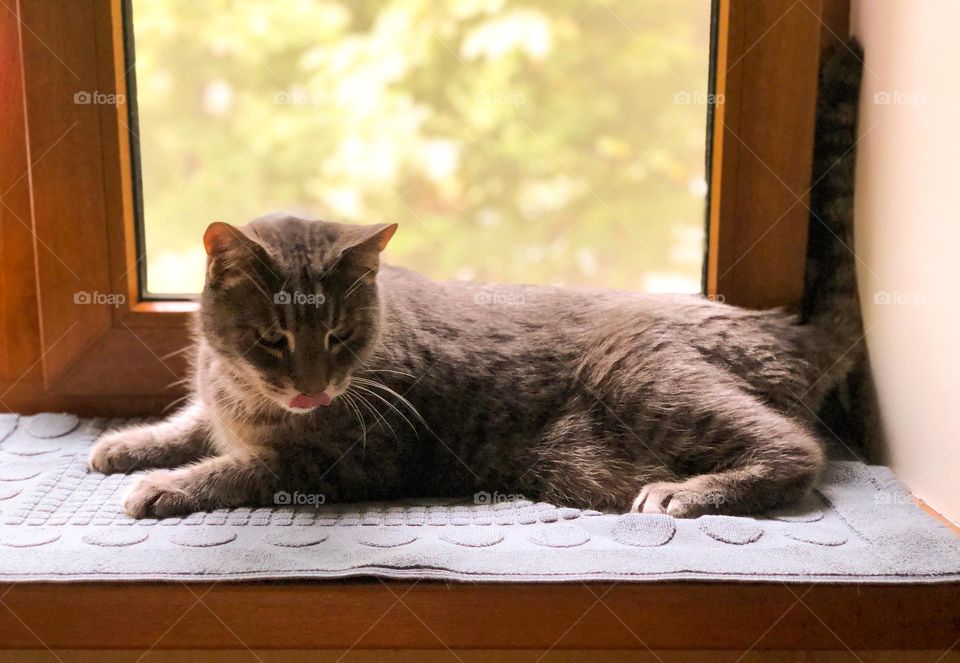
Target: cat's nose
309, 380
310, 401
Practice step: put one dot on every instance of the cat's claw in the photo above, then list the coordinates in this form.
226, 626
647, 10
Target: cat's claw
680, 500
158, 495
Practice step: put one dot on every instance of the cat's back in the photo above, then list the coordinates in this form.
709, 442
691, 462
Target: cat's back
522, 322
533, 306
482, 308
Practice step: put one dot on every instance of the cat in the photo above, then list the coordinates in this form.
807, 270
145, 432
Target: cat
318, 370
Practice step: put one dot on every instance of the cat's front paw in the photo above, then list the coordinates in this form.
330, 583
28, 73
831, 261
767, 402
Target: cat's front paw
160, 494
117, 451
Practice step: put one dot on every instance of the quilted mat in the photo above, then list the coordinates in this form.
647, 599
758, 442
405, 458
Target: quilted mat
59, 522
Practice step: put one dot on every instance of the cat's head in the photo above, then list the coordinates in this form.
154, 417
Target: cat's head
292, 305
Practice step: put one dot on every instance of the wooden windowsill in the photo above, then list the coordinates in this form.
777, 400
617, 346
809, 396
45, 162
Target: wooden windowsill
374, 614
165, 306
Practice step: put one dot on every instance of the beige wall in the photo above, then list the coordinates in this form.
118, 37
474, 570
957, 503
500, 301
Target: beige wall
908, 235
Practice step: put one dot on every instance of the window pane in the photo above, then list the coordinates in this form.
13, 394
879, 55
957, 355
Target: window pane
551, 141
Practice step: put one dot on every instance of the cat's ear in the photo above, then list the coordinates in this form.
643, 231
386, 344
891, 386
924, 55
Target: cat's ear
371, 238
360, 252
229, 248
221, 238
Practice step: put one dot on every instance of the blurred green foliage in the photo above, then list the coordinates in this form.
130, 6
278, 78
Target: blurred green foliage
547, 141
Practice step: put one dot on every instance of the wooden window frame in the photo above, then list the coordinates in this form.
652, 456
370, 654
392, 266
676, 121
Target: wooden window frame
67, 227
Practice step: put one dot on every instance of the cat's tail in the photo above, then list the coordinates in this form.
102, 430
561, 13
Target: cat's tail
831, 301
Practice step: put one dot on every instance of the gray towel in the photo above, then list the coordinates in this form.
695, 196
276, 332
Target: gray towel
58, 521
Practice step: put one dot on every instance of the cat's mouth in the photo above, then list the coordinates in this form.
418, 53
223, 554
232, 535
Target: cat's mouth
303, 402
309, 401
297, 402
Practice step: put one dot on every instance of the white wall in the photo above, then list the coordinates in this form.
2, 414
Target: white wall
908, 235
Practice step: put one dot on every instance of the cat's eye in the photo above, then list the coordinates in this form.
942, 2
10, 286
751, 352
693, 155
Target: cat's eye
273, 339
335, 340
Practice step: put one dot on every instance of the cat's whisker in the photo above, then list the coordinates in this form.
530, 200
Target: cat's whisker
400, 398
388, 370
256, 285
380, 418
408, 405
354, 286
352, 404
389, 405
175, 402
363, 423
176, 352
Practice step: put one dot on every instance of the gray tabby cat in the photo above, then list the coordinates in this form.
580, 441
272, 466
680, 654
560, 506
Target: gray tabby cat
319, 370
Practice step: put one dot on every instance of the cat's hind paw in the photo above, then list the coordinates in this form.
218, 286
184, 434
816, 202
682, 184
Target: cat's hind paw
684, 499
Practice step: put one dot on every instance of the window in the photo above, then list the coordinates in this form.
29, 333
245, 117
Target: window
83, 330
513, 140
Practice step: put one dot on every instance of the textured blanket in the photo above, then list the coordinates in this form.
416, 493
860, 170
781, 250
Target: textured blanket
58, 521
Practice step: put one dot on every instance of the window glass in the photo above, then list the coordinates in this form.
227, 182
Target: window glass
558, 142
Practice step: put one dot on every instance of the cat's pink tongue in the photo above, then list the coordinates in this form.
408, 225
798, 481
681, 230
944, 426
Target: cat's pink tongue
307, 401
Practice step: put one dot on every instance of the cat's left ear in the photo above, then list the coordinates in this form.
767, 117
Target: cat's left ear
373, 237
360, 252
